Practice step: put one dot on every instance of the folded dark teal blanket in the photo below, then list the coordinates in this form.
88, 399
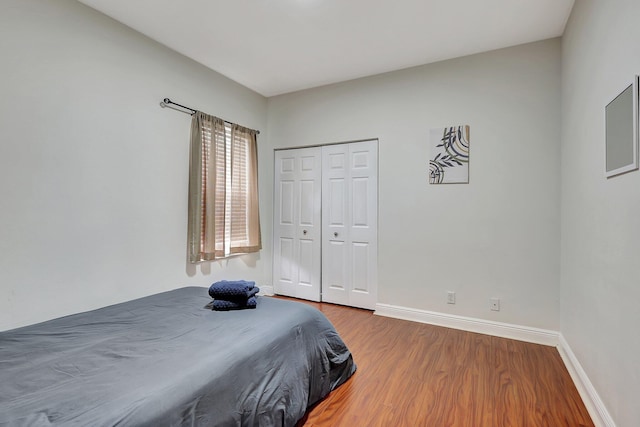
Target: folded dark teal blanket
236, 288
224, 305
236, 296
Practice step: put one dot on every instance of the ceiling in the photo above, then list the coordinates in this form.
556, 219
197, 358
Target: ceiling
280, 46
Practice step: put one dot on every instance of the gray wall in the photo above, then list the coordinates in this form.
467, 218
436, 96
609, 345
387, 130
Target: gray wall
600, 217
499, 235
93, 173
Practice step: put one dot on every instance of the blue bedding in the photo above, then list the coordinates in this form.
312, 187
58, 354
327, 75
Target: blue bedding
238, 288
221, 304
166, 360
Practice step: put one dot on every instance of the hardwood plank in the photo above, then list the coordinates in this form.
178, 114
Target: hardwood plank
413, 374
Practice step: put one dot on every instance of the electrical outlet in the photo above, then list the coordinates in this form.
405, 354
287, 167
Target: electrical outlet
451, 297
494, 304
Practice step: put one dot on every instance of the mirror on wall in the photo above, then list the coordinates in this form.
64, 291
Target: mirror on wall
621, 123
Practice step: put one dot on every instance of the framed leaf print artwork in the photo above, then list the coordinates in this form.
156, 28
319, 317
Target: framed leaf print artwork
449, 158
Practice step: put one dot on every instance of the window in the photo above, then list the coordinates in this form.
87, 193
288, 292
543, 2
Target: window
223, 190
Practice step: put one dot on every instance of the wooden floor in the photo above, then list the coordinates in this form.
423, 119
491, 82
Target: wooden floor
412, 374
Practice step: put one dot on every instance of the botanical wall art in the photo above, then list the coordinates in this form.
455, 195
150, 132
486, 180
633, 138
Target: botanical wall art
449, 158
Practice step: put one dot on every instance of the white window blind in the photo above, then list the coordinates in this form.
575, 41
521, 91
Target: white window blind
223, 191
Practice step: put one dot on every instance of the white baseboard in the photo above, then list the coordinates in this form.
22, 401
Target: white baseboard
504, 330
266, 290
599, 414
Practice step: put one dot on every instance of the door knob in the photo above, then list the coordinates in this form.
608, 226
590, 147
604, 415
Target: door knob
335, 234
304, 232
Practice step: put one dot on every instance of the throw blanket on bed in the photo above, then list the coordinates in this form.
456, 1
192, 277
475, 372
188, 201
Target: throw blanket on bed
223, 305
232, 288
233, 295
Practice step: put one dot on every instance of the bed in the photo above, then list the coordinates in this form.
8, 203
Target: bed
166, 360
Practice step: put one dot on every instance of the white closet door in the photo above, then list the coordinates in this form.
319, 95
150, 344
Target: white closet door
297, 224
350, 224
335, 229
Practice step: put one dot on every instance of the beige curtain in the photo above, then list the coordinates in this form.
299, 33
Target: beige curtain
223, 190
245, 216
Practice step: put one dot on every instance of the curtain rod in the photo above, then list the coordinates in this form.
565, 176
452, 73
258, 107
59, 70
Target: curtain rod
166, 102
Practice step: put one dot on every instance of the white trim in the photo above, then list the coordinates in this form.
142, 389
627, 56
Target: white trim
599, 414
505, 330
266, 290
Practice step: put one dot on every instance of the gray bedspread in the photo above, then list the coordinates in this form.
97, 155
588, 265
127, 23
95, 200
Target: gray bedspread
165, 360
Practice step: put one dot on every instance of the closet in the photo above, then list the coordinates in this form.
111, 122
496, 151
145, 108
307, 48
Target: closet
325, 230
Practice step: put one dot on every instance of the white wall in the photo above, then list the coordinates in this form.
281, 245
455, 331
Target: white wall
498, 236
93, 173
600, 287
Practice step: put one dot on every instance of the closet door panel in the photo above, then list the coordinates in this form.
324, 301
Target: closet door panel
335, 280
334, 245
360, 267
360, 217
363, 225
307, 205
336, 208
335, 224
336, 276
297, 186
309, 223
306, 263
284, 273
286, 203
349, 234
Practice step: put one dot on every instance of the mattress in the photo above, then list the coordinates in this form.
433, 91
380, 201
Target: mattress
166, 360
